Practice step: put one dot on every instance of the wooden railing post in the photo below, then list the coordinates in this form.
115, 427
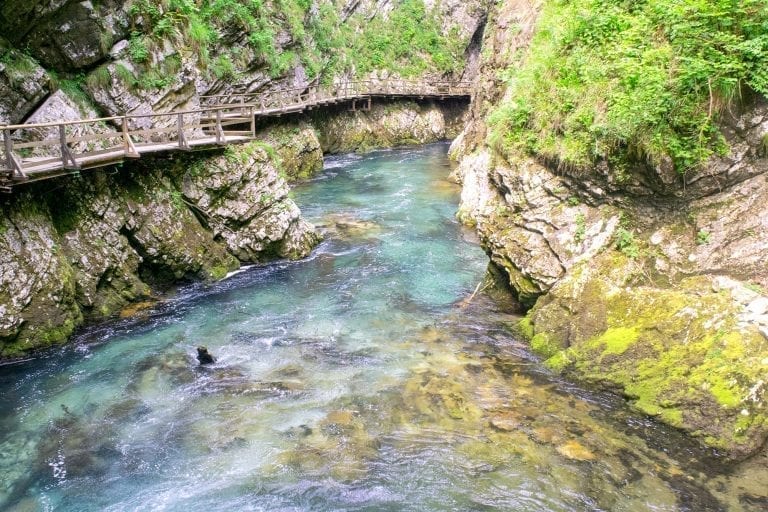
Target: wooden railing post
220, 139
67, 158
128, 147
183, 144
253, 121
13, 163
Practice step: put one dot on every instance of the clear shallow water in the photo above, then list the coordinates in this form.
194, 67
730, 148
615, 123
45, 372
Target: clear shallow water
360, 379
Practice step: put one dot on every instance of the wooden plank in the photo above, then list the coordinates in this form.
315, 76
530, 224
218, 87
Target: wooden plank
229, 133
36, 144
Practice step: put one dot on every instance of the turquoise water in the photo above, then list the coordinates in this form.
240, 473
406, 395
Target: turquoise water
367, 377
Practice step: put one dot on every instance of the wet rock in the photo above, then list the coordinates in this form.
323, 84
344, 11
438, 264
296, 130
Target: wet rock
138, 309
575, 451
349, 227
204, 357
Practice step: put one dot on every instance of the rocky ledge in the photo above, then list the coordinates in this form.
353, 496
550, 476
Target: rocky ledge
83, 248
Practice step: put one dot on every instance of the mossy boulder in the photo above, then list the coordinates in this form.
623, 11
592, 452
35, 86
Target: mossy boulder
682, 354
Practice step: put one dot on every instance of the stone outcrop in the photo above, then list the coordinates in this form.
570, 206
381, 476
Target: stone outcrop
23, 82
244, 199
388, 125
648, 283
65, 34
297, 147
83, 249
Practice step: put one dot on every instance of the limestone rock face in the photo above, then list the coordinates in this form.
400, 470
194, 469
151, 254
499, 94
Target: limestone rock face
23, 82
245, 200
530, 225
77, 34
467, 16
118, 96
385, 125
651, 284
56, 108
37, 287
297, 148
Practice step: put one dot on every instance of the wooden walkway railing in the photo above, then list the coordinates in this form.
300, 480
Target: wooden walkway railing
31, 152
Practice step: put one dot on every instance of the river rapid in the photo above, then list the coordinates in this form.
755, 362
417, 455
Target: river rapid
369, 376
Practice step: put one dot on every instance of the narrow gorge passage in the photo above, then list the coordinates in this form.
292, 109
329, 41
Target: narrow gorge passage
361, 378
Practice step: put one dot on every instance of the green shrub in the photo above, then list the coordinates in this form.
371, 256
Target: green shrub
409, 39
703, 237
223, 67
646, 79
625, 242
137, 48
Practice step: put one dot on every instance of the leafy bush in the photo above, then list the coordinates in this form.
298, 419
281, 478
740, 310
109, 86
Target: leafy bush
137, 47
409, 40
625, 242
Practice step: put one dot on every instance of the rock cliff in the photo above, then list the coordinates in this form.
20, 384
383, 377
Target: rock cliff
84, 248
648, 282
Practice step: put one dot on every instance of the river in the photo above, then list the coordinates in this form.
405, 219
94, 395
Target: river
369, 376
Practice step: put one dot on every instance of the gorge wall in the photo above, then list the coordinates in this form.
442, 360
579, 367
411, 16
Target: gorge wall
640, 278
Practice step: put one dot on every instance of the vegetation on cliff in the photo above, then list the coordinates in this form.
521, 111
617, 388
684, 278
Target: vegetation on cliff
409, 39
632, 81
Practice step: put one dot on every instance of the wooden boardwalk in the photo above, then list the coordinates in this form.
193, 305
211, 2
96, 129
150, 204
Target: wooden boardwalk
33, 152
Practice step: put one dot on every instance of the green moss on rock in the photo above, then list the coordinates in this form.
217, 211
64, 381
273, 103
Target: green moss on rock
678, 354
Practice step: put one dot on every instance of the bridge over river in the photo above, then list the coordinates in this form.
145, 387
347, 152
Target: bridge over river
33, 152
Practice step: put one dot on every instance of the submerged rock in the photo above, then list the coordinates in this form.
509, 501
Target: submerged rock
204, 357
575, 451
